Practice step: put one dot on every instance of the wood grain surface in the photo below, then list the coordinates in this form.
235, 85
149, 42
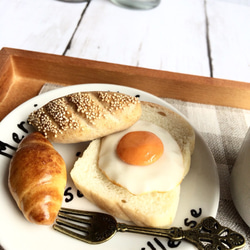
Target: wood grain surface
198, 37
23, 73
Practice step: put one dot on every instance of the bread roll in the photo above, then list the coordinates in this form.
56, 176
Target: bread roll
37, 178
85, 116
153, 209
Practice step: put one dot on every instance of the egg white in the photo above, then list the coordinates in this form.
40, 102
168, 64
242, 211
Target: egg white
163, 175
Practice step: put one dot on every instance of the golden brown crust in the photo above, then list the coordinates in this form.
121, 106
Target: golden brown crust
85, 116
37, 178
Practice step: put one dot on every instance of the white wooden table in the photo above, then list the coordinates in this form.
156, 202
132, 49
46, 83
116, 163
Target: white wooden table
201, 37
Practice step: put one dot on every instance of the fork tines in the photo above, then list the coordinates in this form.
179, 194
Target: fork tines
81, 224
90, 227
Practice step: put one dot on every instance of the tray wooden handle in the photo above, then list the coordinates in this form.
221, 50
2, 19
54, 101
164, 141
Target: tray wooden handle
22, 74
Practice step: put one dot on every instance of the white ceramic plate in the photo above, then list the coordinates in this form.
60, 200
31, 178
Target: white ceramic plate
199, 190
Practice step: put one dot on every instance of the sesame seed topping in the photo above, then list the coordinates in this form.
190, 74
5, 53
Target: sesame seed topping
116, 101
56, 117
57, 111
88, 108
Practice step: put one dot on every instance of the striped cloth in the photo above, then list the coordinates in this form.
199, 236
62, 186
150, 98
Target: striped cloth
223, 129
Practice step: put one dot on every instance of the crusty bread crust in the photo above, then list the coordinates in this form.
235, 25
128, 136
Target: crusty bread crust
85, 116
154, 209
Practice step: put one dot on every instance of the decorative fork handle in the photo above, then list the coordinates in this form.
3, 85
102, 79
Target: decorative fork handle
208, 234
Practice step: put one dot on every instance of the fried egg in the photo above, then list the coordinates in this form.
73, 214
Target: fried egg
142, 158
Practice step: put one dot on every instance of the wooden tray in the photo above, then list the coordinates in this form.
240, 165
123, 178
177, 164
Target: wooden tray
23, 73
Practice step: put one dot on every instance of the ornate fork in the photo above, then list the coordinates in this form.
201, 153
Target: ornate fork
99, 227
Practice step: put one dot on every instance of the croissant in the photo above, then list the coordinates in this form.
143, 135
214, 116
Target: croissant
37, 178
85, 116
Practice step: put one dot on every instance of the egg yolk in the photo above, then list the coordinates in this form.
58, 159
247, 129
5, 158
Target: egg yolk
140, 148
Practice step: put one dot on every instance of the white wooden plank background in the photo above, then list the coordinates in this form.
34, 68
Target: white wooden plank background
40, 25
229, 34
169, 37
202, 37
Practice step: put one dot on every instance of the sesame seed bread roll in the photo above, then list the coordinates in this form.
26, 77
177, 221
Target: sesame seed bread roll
85, 116
151, 209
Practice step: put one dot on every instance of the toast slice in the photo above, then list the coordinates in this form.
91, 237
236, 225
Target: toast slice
153, 209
